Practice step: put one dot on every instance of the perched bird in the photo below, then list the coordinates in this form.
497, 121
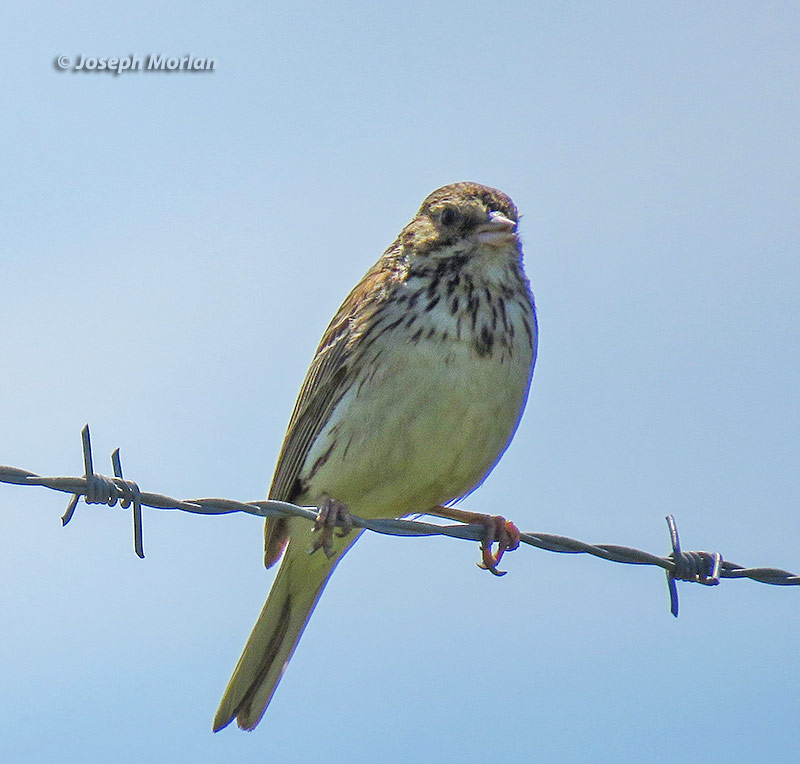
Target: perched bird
414, 393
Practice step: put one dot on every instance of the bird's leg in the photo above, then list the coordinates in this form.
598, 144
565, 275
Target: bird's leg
330, 513
498, 529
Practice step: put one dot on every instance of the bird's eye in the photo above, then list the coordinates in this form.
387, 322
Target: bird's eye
448, 216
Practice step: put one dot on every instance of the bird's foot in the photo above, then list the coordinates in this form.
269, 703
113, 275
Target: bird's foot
497, 529
507, 536
330, 514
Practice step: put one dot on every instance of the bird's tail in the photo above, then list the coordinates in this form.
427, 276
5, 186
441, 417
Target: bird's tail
294, 594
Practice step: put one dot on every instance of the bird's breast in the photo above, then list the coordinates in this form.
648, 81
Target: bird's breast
427, 415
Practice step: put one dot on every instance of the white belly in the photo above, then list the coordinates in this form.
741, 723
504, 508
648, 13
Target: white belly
425, 429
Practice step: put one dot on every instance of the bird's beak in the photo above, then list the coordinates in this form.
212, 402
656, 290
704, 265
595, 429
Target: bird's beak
498, 232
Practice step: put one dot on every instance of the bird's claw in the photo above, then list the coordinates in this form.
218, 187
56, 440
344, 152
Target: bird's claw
507, 536
330, 514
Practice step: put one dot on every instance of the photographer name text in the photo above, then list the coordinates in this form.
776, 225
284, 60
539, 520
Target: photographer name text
134, 63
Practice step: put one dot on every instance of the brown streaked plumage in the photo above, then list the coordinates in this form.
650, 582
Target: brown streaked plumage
330, 374
412, 396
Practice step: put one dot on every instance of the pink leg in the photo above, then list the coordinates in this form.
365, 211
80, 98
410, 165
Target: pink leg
330, 513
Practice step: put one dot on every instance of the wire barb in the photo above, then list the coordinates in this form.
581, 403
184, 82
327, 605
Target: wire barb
100, 489
707, 568
132, 496
88, 473
696, 567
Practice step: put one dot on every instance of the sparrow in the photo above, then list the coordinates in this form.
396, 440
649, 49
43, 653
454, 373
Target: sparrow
412, 396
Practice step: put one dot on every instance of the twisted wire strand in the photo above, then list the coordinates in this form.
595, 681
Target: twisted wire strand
706, 568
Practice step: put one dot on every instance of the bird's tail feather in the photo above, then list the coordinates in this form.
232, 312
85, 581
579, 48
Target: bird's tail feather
269, 648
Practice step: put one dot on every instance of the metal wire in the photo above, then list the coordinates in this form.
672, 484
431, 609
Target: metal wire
707, 568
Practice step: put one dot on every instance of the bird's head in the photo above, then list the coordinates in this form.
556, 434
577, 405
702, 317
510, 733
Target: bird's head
461, 218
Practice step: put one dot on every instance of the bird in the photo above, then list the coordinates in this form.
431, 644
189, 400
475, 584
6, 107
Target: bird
414, 393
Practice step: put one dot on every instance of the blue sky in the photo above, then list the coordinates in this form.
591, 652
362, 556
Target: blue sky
173, 245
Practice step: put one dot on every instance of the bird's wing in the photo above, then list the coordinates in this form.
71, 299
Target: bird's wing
327, 380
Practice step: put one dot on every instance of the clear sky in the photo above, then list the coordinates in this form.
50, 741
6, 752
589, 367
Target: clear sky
172, 246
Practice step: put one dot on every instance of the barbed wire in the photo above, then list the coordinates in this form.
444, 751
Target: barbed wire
707, 568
